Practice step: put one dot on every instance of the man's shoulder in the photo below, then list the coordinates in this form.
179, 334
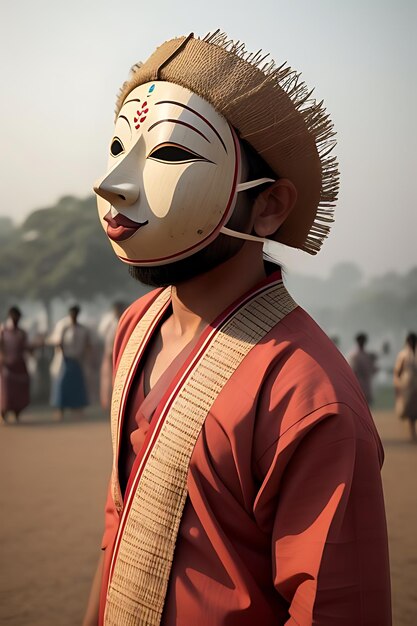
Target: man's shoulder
303, 337
308, 382
310, 363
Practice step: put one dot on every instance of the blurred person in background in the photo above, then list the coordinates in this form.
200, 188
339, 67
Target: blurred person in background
72, 344
14, 375
363, 364
405, 383
106, 371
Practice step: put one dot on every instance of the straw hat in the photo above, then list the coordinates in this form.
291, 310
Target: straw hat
271, 108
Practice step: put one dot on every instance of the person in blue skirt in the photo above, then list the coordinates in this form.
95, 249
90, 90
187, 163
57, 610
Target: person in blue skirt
72, 343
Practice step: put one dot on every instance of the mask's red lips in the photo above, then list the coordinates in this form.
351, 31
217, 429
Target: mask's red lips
121, 227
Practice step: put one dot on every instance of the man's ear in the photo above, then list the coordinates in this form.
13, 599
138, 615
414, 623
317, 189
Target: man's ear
273, 206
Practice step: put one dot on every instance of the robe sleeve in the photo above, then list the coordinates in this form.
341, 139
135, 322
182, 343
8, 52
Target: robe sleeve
329, 547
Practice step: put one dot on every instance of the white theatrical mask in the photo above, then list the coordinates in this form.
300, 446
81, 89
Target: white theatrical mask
174, 172
174, 167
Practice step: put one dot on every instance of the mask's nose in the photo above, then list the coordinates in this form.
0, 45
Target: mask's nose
118, 194
121, 185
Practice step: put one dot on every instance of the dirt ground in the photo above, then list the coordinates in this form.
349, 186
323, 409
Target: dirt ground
53, 480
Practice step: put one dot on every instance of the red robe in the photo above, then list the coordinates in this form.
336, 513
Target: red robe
14, 376
284, 521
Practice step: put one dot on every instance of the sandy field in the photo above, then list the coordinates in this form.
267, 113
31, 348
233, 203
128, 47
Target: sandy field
53, 481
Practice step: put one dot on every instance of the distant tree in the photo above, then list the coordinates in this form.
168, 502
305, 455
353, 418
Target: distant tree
316, 293
347, 273
343, 304
410, 282
62, 252
372, 312
7, 228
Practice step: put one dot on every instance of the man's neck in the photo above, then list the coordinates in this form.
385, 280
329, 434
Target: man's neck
200, 300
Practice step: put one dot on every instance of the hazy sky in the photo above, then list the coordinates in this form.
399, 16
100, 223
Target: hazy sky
63, 63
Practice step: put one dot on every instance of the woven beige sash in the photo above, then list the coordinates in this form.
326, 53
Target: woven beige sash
150, 522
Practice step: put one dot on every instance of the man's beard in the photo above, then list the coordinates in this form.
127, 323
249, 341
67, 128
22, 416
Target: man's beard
219, 251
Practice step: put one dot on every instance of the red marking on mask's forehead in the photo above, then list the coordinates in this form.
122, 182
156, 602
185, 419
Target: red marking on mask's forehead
141, 115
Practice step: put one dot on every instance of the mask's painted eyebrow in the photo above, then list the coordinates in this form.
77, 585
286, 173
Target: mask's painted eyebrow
182, 124
132, 100
184, 106
123, 117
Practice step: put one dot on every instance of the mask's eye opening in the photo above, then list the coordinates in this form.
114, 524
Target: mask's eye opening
174, 153
116, 147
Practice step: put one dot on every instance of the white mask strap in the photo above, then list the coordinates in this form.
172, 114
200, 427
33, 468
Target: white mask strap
237, 235
243, 187
253, 183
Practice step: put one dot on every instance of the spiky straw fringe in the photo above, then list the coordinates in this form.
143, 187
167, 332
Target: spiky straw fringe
316, 120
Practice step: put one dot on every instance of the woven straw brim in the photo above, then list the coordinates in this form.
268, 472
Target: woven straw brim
271, 109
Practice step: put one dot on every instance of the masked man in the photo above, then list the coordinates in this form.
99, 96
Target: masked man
246, 480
